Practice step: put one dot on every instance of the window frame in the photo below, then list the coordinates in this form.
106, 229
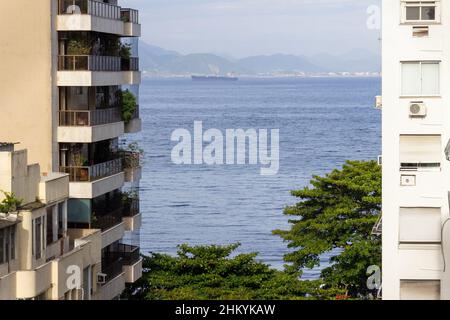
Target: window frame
420, 4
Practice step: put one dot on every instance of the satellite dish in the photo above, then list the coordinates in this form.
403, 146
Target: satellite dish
73, 9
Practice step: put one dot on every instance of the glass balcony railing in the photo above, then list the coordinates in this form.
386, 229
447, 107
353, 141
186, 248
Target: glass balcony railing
89, 63
113, 261
107, 221
97, 63
129, 15
95, 172
131, 207
89, 118
90, 7
130, 64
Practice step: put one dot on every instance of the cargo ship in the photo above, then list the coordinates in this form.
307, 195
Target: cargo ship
214, 78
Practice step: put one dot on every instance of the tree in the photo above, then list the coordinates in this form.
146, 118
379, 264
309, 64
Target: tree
216, 273
337, 215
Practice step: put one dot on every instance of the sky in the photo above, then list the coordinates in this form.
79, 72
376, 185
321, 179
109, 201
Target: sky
240, 28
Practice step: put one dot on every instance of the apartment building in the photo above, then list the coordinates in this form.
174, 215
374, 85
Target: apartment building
40, 258
69, 82
416, 149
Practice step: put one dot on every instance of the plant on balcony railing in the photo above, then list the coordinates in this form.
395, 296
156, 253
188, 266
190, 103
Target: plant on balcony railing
132, 156
129, 106
125, 51
10, 203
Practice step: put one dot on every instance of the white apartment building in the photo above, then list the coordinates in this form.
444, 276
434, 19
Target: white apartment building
64, 74
416, 133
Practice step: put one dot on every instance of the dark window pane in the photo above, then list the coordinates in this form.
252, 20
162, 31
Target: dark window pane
2, 245
428, 13
412, 13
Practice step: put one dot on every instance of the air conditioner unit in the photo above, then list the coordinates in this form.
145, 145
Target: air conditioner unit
101, 278
408, 181
378, 102
417, 109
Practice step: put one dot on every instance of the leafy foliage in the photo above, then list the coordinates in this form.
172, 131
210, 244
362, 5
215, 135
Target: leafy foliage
211, 273
10, 203
337, 215
129, 105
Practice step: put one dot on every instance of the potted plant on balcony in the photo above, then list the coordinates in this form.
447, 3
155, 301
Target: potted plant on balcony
79, 46
9, 205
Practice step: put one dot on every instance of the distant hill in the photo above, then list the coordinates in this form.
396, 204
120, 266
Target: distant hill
156, 60
278, 63
352, 61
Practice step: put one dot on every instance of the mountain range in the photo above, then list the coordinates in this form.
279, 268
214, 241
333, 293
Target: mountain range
158, 61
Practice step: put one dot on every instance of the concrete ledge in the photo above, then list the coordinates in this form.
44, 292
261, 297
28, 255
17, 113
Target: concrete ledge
90, 134
134, 126
133, 223
133, 273
91, 190
112, 235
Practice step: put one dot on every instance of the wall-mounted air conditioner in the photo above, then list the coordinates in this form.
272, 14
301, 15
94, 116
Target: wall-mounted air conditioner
417, 109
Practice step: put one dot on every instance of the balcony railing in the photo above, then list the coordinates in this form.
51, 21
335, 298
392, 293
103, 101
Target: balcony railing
93, 173
89, 63
112, 268
130, 64
131, 207
89, 118
113, 262
107, 221
129, 15
91, 7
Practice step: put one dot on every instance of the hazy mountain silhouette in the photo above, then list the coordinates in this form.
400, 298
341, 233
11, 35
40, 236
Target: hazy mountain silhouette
156, 60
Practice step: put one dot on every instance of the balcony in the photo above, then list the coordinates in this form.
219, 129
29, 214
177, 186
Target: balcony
95, 172
90, 15
88, 182
107, 221
92, 70
88, 63
89, 118
53, 188
126, 259
132, 216
88, 126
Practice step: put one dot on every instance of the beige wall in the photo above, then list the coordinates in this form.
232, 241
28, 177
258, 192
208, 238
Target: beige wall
27, 98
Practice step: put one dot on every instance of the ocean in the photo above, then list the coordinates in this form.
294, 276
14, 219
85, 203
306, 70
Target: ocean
322, 121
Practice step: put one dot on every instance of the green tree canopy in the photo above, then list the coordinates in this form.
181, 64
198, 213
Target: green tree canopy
217, 273
337, 214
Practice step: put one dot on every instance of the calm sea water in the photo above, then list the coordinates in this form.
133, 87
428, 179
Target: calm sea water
322, 122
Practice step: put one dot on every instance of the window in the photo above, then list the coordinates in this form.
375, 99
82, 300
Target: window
421, 11
37, 236
13, 243
2, 246
420, 152
420, 290
420, 225
420, 78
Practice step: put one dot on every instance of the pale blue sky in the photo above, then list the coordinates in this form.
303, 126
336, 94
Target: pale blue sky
252, 27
